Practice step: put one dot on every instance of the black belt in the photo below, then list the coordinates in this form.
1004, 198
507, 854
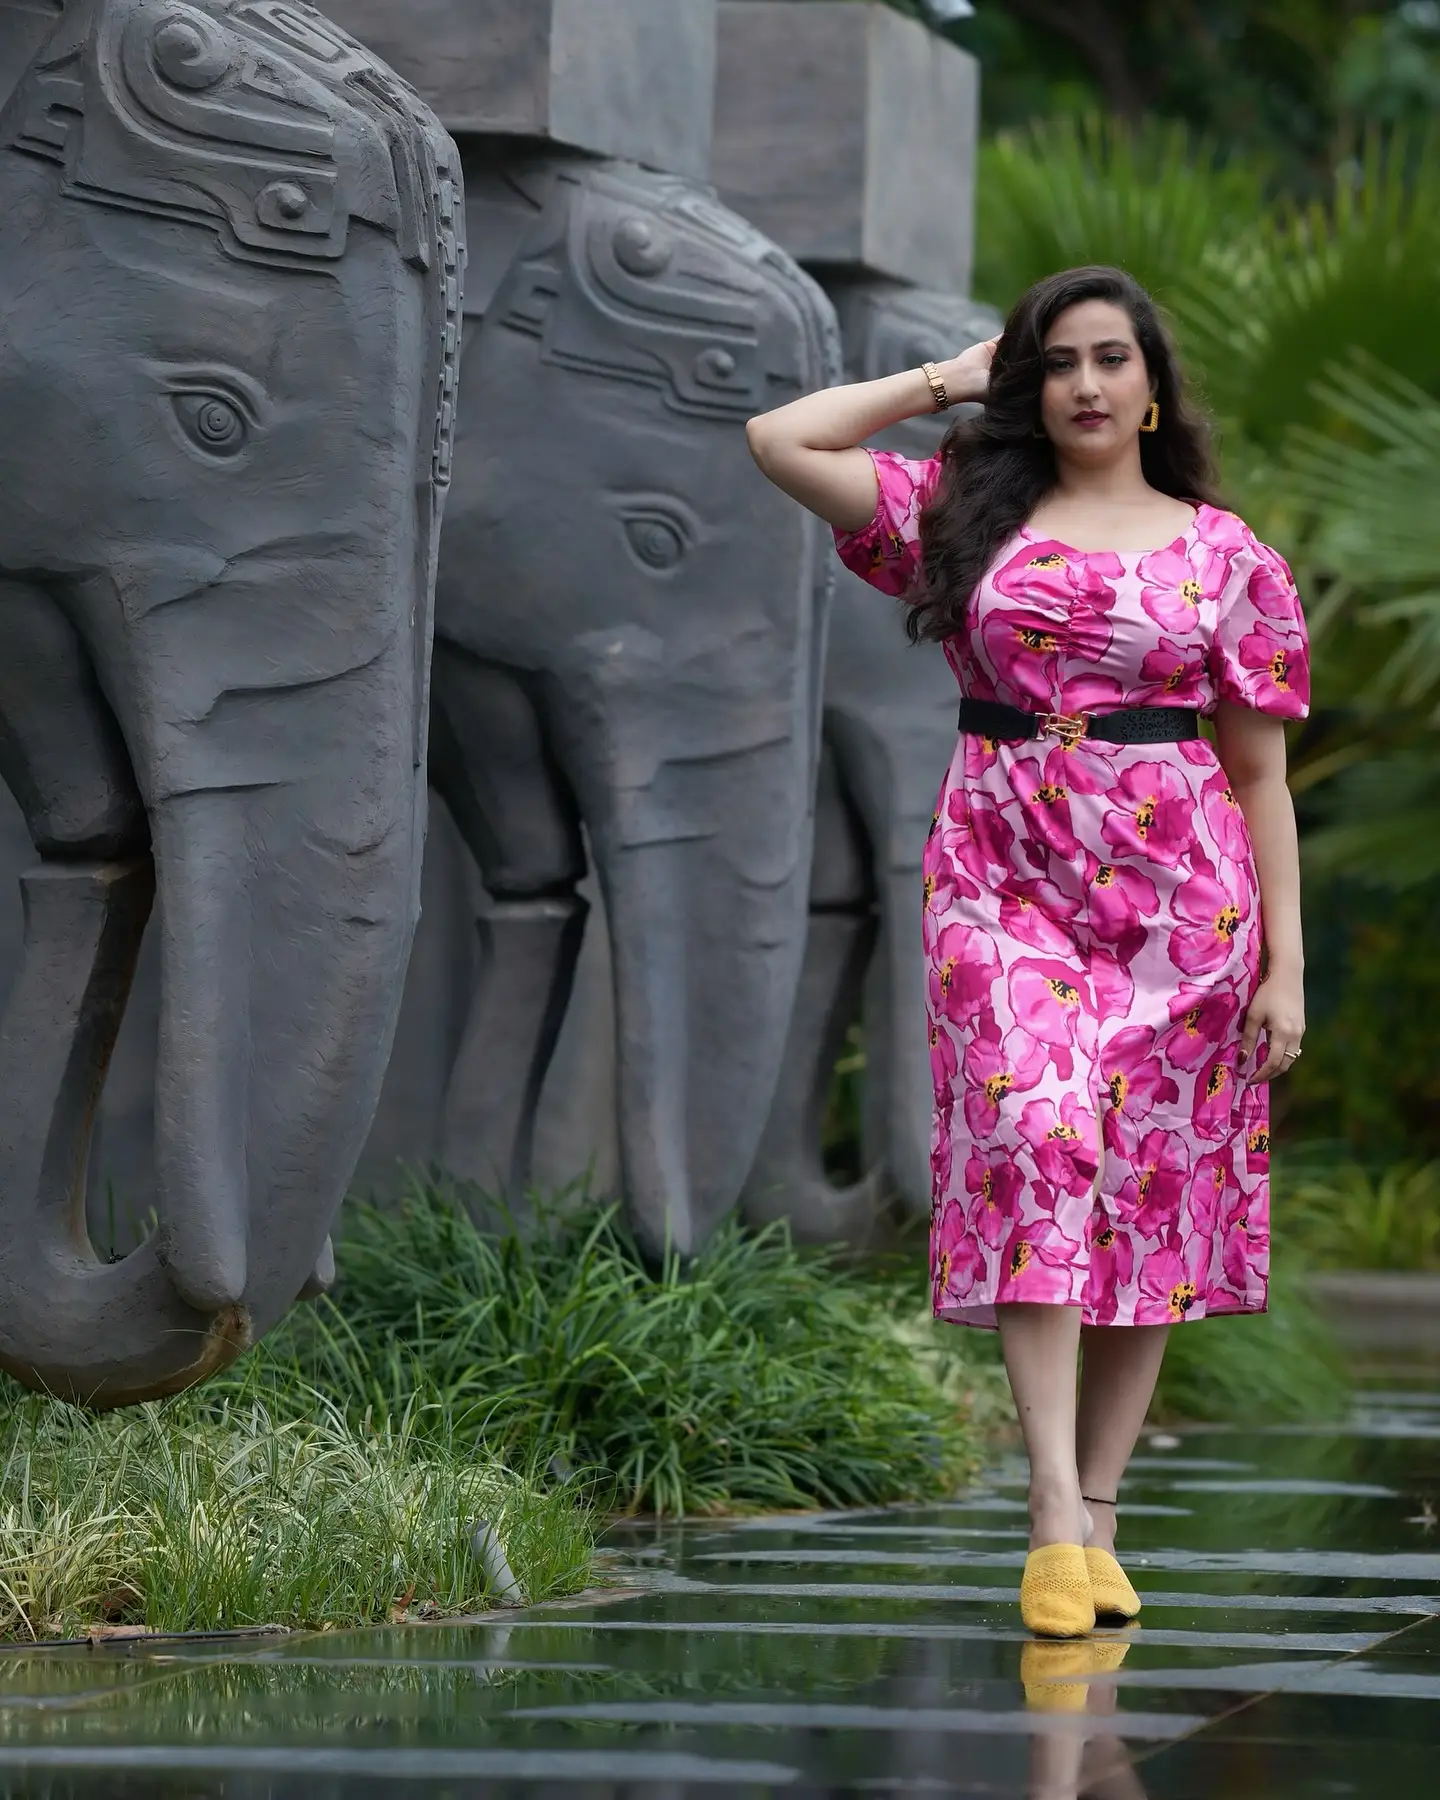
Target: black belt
1127, 725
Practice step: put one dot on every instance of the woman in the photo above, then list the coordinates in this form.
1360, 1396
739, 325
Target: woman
1101, 1033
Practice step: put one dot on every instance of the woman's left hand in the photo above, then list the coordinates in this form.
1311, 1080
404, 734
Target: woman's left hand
1278, 1010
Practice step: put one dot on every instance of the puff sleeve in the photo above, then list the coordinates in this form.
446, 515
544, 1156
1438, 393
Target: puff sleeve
886, 553
1260, 655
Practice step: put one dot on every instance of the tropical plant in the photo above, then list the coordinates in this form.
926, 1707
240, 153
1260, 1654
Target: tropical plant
754, 1374
1153, 198
1308, 284
1284, 81
1369, 1077
1358, 1218
220, 1510
1370, 486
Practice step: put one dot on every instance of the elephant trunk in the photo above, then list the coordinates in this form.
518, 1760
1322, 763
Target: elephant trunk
288, 870
703, 865
71, 1325
286, 824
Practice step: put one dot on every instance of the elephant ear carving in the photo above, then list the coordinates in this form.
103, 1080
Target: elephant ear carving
887, 328
256, 113
640, 278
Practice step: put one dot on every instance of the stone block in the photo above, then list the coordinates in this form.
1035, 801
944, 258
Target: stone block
626, 78
848, 133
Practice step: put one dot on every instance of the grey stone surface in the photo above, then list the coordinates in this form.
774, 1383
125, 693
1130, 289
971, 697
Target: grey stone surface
848, 133
230, 257
630, 629
622, 78
889, 734
1383, 1309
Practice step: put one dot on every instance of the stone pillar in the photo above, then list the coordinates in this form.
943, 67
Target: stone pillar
632, 79
848, 133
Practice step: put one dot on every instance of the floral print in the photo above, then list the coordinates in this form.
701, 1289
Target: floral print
1092, 926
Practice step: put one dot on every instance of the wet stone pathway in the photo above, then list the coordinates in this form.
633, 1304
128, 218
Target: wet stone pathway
1290, 1647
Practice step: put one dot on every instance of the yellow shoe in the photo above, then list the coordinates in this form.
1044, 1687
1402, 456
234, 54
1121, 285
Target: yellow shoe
1110, 1586
1057, 1676
1055, 1597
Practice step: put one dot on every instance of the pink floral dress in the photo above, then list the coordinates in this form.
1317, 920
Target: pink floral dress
1092, 927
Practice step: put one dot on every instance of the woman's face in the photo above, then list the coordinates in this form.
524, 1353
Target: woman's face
1097, 388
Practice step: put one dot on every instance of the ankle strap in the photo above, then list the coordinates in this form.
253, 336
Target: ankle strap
1095, 1500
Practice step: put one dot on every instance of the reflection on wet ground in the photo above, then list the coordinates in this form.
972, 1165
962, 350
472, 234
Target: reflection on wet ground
1290, 1648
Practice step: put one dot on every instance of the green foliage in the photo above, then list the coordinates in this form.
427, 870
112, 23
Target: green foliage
1383, 830
219, 1509
1355, 1218
1370, 1076
1151, 198
1308, 284
1282, 82
1372, 520
755, 1374
842, 1130
1389, 68
1282, 1364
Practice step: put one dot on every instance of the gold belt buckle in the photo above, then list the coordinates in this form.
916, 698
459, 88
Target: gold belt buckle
1068, 727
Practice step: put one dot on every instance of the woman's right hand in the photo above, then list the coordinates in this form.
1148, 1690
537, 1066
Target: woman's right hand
967, 376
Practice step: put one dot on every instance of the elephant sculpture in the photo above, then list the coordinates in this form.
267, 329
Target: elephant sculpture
629, 641
231, 251
889, 733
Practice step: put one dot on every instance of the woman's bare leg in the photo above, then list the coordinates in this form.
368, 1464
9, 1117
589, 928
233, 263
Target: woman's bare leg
1117, 1384
1041, 1344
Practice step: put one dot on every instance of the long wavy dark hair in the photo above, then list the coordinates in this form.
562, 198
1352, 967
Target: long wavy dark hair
995, 471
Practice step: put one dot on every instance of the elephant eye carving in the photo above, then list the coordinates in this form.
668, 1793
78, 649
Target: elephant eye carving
212, 422
658, 542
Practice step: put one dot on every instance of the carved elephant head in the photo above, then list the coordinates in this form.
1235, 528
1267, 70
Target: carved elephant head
231, 247
648, 613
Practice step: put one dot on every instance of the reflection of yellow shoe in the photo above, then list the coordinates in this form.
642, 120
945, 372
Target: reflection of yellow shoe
1110, 1586
1055, 1597
1057, 1676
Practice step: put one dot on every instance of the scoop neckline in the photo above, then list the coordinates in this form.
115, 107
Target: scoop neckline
1182, 537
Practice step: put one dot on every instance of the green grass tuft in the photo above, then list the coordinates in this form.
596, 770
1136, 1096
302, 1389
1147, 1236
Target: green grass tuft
1351, 1217
755, 1374
531, 1377
215, 1511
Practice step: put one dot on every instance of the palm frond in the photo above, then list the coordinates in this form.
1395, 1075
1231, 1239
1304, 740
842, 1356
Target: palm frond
1309, 282
1373, 502
1385, 829
1372, 525
1152, 198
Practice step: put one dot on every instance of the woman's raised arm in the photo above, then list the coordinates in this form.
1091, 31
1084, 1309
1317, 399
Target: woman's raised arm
809, 447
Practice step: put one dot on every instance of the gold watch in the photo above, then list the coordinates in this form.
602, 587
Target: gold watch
937, 386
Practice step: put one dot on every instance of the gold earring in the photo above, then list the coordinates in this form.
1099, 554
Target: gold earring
1151, 421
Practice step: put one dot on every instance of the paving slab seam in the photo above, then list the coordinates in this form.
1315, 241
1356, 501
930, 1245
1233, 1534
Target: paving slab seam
1229, 1713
